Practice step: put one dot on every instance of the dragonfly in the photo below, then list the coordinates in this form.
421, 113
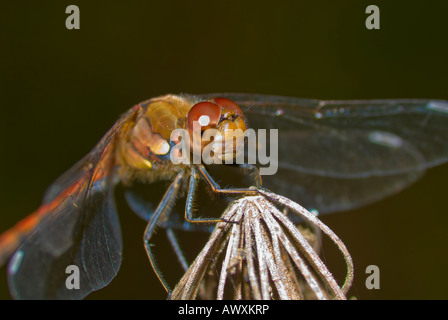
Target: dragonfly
332, 156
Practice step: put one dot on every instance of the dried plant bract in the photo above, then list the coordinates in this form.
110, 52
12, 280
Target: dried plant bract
258, 253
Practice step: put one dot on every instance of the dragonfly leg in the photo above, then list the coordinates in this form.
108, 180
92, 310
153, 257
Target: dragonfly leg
215, 186
176, 248
195, 176
145, 210
163, 208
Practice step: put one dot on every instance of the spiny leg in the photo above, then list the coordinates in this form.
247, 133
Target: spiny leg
176, 247
163, 208
190, 199
216, 187
195, 176
145, 211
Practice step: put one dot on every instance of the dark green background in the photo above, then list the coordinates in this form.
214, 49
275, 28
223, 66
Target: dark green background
62, 89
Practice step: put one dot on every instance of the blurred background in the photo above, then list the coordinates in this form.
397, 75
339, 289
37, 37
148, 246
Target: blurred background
61, 90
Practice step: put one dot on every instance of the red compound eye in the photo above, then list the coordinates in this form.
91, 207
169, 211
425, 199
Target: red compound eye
207, 114
228, 104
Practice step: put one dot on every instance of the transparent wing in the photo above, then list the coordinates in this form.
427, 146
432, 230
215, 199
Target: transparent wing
79, 228
337, 155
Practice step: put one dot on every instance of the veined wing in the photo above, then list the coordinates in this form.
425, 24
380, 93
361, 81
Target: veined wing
338, 155
77, 224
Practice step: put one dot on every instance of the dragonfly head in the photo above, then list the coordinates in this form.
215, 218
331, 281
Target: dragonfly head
216, 128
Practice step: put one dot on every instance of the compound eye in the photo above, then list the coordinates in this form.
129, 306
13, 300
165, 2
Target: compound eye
228, 104
207, 114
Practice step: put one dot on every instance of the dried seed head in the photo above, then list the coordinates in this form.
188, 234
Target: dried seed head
258, 253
